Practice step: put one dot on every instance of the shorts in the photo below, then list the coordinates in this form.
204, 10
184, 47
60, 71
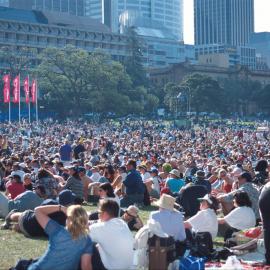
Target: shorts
21, 221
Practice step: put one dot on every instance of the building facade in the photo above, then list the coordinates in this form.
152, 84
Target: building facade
73, 7
261, 42
229, 22
167, 13
39, 30
4, 3
226, 56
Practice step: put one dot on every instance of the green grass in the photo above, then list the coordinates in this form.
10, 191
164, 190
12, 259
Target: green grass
15, 246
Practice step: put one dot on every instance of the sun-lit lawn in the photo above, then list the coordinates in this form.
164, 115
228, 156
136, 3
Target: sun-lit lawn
14, 246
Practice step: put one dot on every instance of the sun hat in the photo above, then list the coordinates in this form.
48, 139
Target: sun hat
132, 211
166, 202
175, 172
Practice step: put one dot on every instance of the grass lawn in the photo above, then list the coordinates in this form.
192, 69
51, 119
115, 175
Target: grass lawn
15, 246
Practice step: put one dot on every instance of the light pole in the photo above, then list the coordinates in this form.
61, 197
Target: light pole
188, 96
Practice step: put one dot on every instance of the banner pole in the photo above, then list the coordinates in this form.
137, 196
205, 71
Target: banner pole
19, 99
9, 113
29, 105
36, 101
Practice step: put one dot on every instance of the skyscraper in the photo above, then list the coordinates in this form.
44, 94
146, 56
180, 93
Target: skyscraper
73, 7
4, 3
229, 22
168, 13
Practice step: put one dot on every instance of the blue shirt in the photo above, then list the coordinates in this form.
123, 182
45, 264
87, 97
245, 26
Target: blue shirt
65, 152
134, 183
27, 200
171, 222
63, 253
175, 184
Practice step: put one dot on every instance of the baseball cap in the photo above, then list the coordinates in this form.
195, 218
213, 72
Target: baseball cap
66, 197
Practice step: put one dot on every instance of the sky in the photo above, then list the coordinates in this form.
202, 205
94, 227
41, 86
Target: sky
262, 20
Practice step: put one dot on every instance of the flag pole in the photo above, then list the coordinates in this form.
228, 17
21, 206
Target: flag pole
36, 101
19, 98
29, 103
9, 113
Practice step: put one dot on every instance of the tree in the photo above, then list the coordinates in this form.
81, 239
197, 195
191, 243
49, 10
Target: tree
74, 82
205, 93
134, 63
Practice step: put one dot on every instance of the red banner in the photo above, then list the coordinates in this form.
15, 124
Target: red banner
26, 89
34, 91
6, 89
16, 89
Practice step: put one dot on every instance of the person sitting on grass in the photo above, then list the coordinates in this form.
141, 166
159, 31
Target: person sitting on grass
132, 218
69, 246
206, 219
242, 217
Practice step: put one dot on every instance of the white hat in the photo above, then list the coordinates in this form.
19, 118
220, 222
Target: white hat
206, 198
175, 172
166, 201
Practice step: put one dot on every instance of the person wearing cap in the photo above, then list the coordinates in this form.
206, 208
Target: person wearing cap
201, 181
242, 217
27, 223
206, 219
175, 181
131, 217
27, 182
152, 184
144, 173
244, 184
171, 220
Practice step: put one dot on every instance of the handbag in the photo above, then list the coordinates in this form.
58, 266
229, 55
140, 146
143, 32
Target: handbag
192, 263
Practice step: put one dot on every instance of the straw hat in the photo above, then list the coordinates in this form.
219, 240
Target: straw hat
166, 201
132, 211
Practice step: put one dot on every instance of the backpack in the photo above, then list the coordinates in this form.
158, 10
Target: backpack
201, 245
192, 263
161, 252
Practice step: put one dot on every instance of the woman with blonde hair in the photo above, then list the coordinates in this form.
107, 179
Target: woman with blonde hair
70, 246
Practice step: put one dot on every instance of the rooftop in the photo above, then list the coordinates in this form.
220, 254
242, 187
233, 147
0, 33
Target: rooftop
51, 18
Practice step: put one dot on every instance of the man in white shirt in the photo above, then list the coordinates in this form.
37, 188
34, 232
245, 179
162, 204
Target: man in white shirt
114, 240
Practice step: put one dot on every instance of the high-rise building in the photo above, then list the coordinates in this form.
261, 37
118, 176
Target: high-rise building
4, 3
73, 7
229, 22
167, 13
261, 42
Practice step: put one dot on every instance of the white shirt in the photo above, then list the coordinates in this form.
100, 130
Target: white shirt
115, 243
145, 176
241, 218
95, 177
205, 221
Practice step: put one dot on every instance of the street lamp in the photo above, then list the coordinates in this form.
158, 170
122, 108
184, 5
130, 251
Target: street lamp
188, 96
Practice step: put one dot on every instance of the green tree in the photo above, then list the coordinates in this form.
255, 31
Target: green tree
134, 63
205, 93
74, 82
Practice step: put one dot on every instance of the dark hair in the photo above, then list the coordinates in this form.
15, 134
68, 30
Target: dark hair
123, 169
107, 187
132, 163
242, 199
215, 204
17, 178
44, 173
110, 207
261, 165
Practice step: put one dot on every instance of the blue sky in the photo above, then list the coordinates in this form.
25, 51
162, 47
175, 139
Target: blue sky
262, 18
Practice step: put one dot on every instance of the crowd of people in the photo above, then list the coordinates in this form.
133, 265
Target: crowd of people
200, 179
